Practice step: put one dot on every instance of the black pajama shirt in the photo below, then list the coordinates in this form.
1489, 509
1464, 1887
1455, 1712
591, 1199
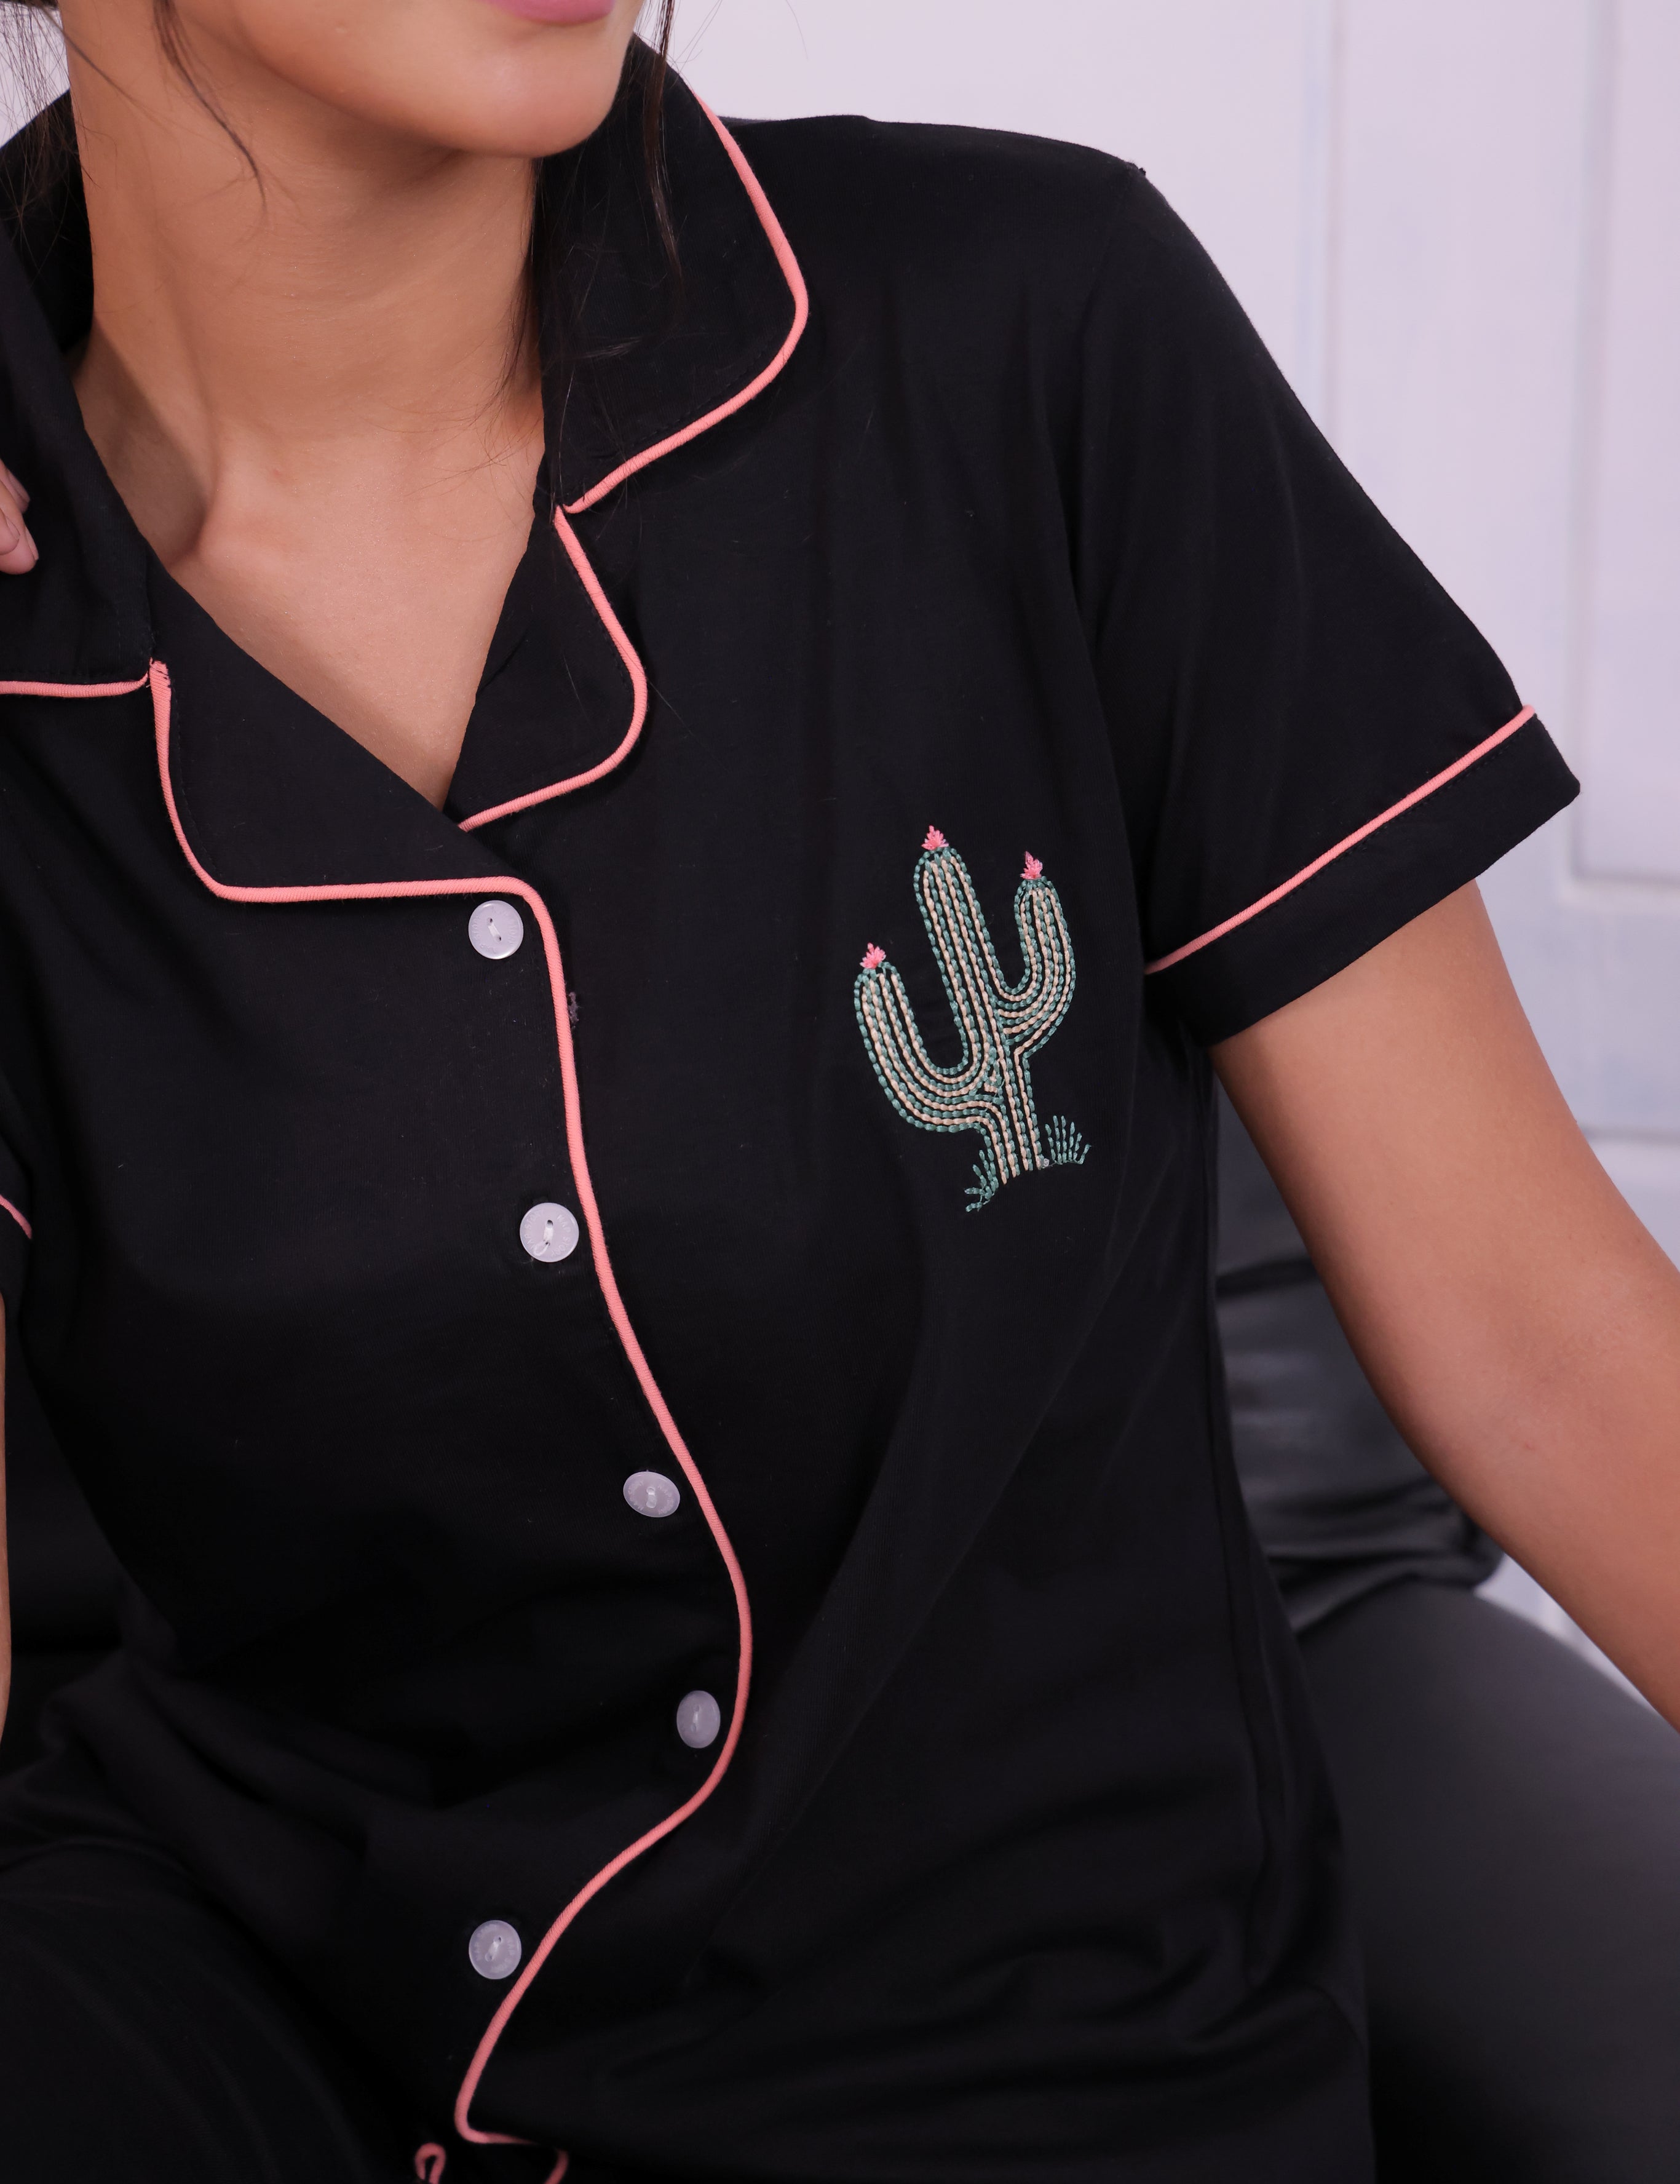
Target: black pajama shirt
645, 1341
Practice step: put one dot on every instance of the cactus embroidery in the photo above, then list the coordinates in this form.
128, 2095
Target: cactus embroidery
989, 1089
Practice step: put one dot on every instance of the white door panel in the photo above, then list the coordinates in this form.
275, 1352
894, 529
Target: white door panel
1630, 665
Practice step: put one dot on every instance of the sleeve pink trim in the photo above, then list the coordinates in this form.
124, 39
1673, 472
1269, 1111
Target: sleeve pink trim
388, 890
1349, 842
71, 689
22, 1220
802, 310
639, 690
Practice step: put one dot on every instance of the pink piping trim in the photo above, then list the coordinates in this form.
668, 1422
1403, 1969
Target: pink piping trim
580, 561
387, 890
7, 1206
802, 311
1351, 841
638, 689
430, 2163
71, 689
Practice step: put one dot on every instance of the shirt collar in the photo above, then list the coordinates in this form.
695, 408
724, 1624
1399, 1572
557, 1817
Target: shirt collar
639, 362
636, 364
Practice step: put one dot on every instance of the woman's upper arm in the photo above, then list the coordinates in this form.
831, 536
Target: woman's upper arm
1521, 1327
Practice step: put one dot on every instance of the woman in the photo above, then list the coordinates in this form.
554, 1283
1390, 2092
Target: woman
649, 1365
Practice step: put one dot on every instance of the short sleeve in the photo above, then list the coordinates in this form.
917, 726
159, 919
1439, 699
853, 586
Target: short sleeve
1313, 744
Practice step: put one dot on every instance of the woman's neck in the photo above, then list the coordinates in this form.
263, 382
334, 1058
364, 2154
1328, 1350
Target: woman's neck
313, 384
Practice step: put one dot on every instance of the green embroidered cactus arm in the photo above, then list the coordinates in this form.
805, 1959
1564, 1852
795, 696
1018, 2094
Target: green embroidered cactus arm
932, 1098
1037, 1005
974, 985
1032, 1010
1002, 1026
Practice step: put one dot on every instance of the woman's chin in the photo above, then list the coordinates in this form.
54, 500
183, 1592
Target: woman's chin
555, 11
519, 78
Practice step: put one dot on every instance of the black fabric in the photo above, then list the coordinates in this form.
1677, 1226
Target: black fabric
1406, 867
1267, 706
1517, 1880
637, 350
1341, 1505
140, 2037
63, 1576
78, 614
143, 2036
982, 616
554, 700
1511, 1822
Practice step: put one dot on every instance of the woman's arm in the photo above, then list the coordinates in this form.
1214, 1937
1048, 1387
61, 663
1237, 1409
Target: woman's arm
1518, 1321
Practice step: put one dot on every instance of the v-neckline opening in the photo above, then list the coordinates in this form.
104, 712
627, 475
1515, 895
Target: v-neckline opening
509, 634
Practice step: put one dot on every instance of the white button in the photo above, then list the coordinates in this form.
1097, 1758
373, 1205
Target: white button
549, 1232
495, 929
495, 1949
698, 1719
651, 1494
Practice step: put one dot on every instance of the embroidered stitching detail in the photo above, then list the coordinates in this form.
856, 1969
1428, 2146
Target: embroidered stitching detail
1002, 1026
1068, 1149
987, 1184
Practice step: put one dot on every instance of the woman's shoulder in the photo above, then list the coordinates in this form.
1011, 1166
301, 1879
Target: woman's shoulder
960, 214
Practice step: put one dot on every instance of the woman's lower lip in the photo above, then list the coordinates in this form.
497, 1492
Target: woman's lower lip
556, 11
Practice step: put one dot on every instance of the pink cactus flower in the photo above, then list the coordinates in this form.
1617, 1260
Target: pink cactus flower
874, 957
1034, 869
935, 840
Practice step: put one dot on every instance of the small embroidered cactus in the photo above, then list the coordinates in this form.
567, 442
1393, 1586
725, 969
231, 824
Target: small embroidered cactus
987, 1183
1002, 1026
1067, 1148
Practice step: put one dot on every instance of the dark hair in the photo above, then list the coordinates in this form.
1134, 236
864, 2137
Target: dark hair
45, 148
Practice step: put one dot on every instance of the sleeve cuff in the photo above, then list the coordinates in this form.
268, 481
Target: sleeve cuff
1402, 862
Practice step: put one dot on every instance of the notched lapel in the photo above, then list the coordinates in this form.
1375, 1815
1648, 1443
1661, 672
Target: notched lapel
555, 700
270, 793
